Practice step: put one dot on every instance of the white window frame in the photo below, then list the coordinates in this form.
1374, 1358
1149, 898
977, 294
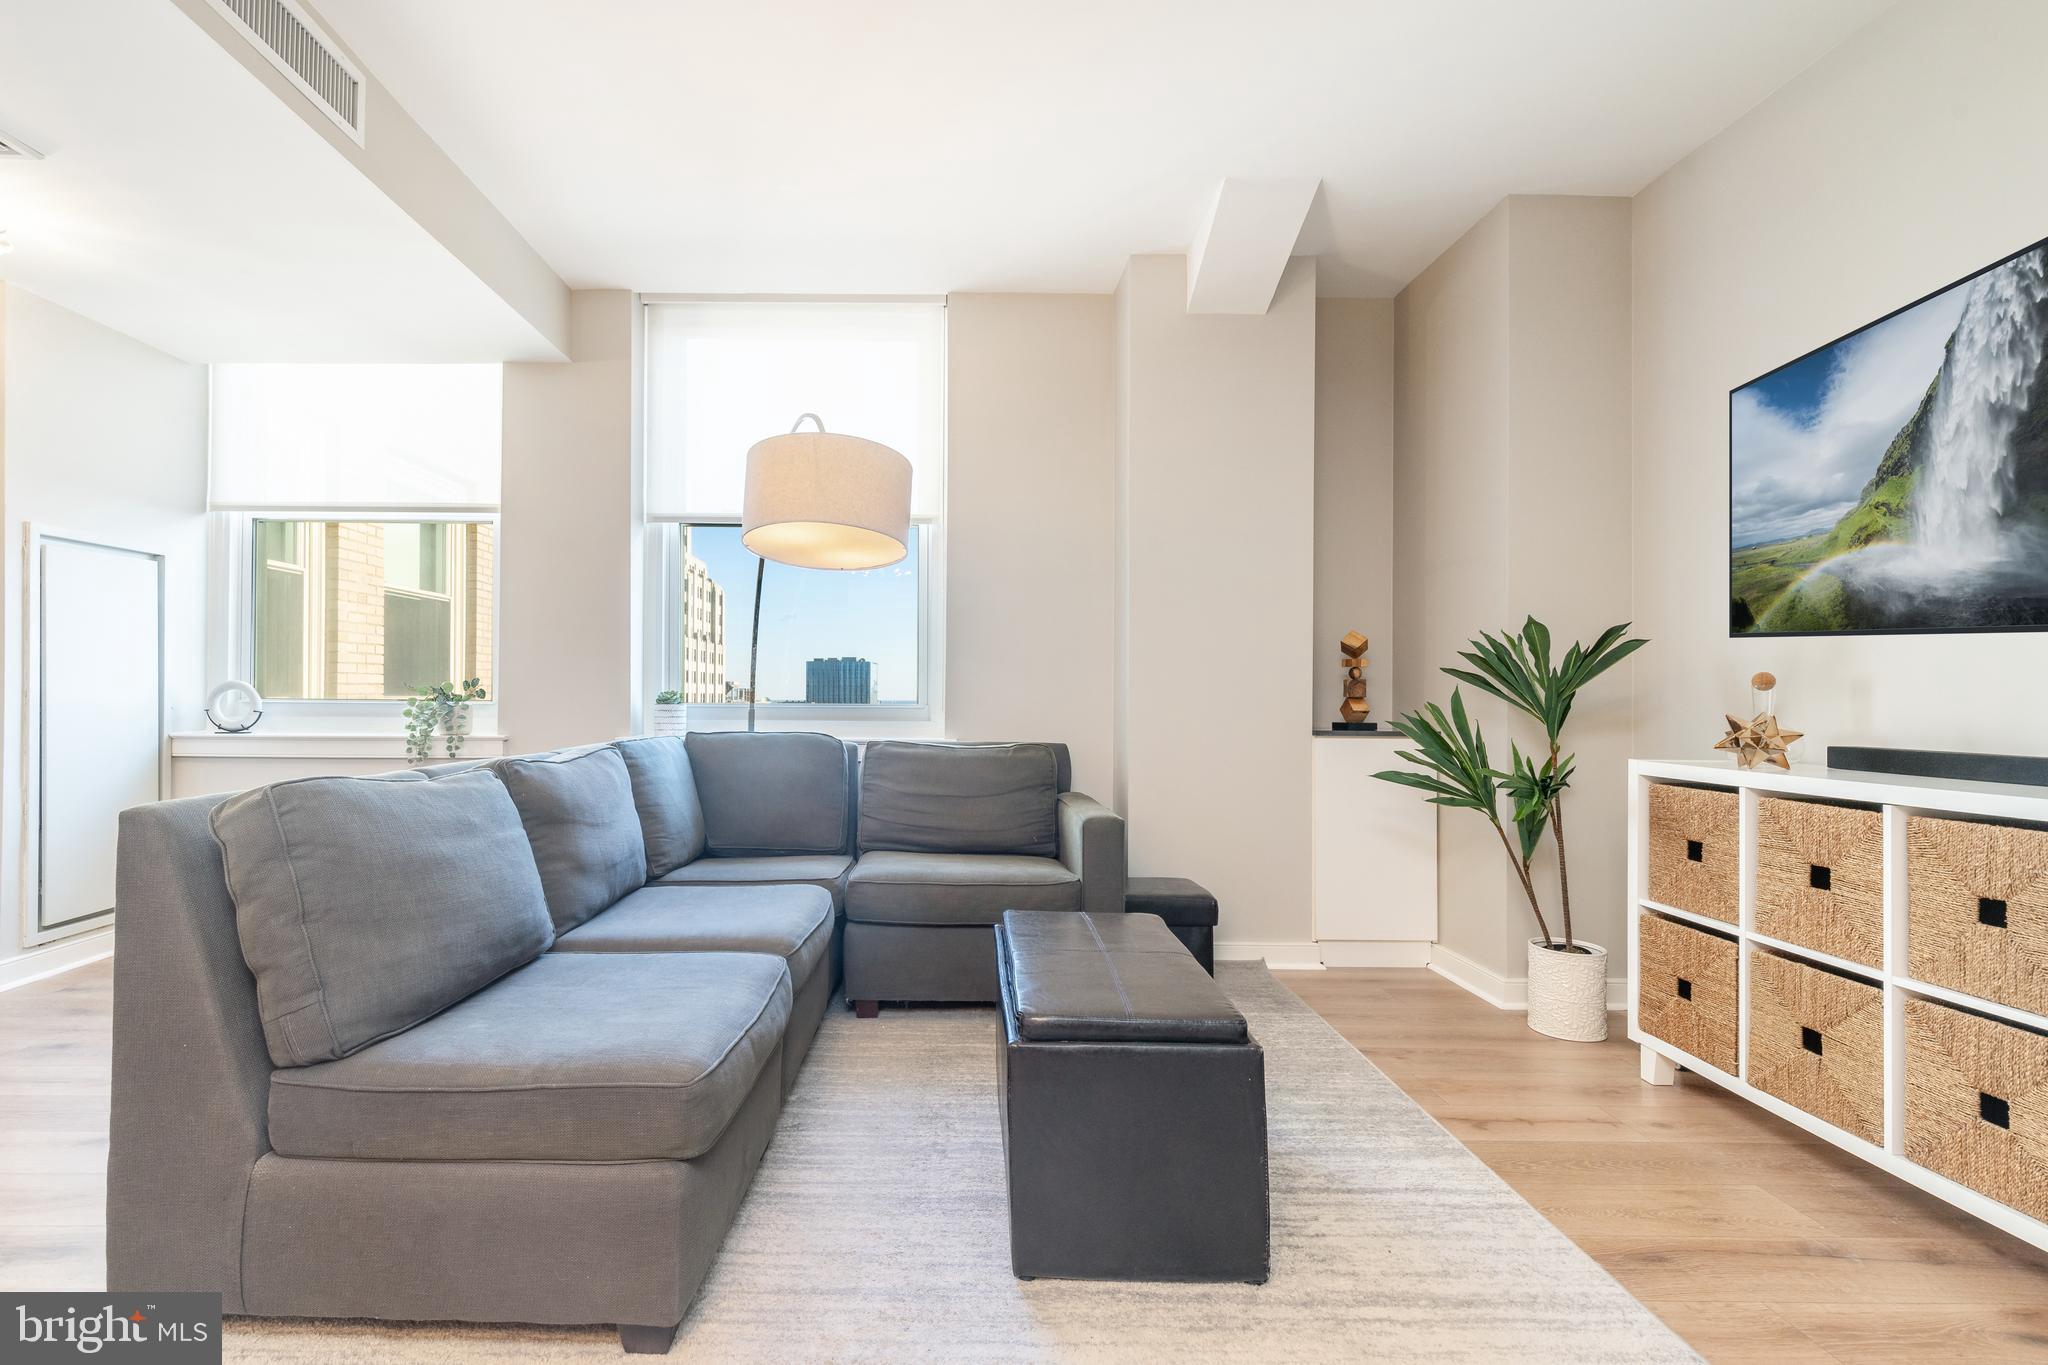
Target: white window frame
663, 567
231, 626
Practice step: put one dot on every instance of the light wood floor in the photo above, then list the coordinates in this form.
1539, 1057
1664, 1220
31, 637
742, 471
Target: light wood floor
1754, 1240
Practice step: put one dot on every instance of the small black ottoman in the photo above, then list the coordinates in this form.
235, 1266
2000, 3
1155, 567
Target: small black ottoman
1188, 909
1133, 1103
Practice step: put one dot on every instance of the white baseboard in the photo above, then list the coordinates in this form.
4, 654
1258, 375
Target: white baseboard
1374, 953
1503, 992
1281, 957
37, 963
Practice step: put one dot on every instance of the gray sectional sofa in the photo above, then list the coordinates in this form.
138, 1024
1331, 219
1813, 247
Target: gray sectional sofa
507, 1041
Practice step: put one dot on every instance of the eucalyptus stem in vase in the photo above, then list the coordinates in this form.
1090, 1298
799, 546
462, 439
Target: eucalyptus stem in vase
444, 709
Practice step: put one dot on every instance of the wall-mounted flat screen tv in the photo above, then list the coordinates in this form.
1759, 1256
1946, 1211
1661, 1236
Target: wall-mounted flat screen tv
1896, 480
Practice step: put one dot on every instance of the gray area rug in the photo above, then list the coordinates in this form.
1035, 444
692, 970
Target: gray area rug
876, 1231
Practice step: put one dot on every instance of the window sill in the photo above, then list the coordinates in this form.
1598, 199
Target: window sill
286, 744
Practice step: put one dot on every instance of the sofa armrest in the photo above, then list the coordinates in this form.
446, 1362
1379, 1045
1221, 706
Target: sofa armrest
1092, 846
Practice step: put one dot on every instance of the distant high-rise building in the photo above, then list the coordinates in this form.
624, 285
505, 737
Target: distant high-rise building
703, 632
839, 682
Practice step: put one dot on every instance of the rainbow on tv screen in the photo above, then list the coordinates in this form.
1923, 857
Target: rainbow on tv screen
1897, 479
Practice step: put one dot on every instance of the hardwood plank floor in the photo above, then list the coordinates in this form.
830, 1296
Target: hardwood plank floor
56, 1051
1757, 1242
1753, 1239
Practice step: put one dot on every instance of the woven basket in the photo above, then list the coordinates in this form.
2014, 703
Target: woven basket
1977, 909
1820, 877
1816, 1040
1695, 833
1977, 1103
1686, 988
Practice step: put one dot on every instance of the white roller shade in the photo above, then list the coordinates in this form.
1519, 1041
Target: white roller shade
723, 375
334, 438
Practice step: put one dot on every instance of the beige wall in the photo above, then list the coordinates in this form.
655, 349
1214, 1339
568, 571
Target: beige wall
1216, 625
1511, 499
1904, 159
1030, 494
1568, 494
569, 599
1354, 566
1450, 550
99, 436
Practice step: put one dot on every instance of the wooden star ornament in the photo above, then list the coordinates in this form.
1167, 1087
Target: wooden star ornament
1761, 740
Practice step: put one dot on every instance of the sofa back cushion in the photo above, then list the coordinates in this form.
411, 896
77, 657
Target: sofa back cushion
960, 798
367, 904
788, 792
577, 806
671, 817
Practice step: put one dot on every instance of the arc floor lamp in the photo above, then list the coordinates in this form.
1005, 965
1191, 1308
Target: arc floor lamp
821, 500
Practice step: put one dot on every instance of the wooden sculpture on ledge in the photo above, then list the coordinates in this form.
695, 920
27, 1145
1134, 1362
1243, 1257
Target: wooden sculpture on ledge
1351, 714
1761, 740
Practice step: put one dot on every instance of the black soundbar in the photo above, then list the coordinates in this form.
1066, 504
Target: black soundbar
2019, 769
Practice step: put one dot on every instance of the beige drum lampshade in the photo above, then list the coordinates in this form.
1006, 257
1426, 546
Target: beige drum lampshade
821, 500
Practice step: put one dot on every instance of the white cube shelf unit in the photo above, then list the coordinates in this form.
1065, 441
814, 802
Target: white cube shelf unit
1897, 799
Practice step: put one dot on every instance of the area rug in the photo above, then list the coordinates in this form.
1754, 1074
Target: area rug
876, 1231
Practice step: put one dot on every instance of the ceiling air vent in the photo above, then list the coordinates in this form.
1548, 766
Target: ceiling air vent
283, 33
14, 149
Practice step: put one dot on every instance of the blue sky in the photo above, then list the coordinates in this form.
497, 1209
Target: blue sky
1806, 438
813, 614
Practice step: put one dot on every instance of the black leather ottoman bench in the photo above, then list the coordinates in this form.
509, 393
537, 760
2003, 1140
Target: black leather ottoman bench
1133, 1106
1187, 907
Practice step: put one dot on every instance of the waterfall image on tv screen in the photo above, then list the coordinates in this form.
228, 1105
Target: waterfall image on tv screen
1897, 479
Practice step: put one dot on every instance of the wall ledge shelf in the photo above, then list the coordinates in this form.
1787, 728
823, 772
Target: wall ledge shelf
313, 745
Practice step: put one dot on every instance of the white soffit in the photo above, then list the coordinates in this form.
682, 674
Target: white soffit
1236, 262
181, 202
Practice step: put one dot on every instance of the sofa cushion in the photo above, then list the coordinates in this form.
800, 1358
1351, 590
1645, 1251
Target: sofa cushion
577, 806
671, 819
960, 798
575, 1057
793, 923
365, 905
955, 888
779, 793
810, 869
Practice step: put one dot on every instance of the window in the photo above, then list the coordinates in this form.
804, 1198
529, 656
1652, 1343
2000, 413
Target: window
370, 611
354, 537
724, 374
827, 639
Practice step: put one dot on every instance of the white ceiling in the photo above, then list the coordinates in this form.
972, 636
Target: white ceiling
183, 203
923, 146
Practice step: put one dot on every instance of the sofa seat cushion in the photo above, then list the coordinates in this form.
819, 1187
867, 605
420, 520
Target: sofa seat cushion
366, 904
793, 923
955, 888
574, 1057
815, 869
577, 806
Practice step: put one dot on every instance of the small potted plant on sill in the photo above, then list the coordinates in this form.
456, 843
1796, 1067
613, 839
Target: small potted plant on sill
443, 709
669, 713
1567, 975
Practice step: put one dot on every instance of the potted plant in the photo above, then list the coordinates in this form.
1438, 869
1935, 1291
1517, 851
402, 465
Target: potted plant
442, 708
669, 713
1567, 976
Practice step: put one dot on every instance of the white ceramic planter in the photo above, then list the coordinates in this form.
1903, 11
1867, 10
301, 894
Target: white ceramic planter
669, 719
1568, 992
